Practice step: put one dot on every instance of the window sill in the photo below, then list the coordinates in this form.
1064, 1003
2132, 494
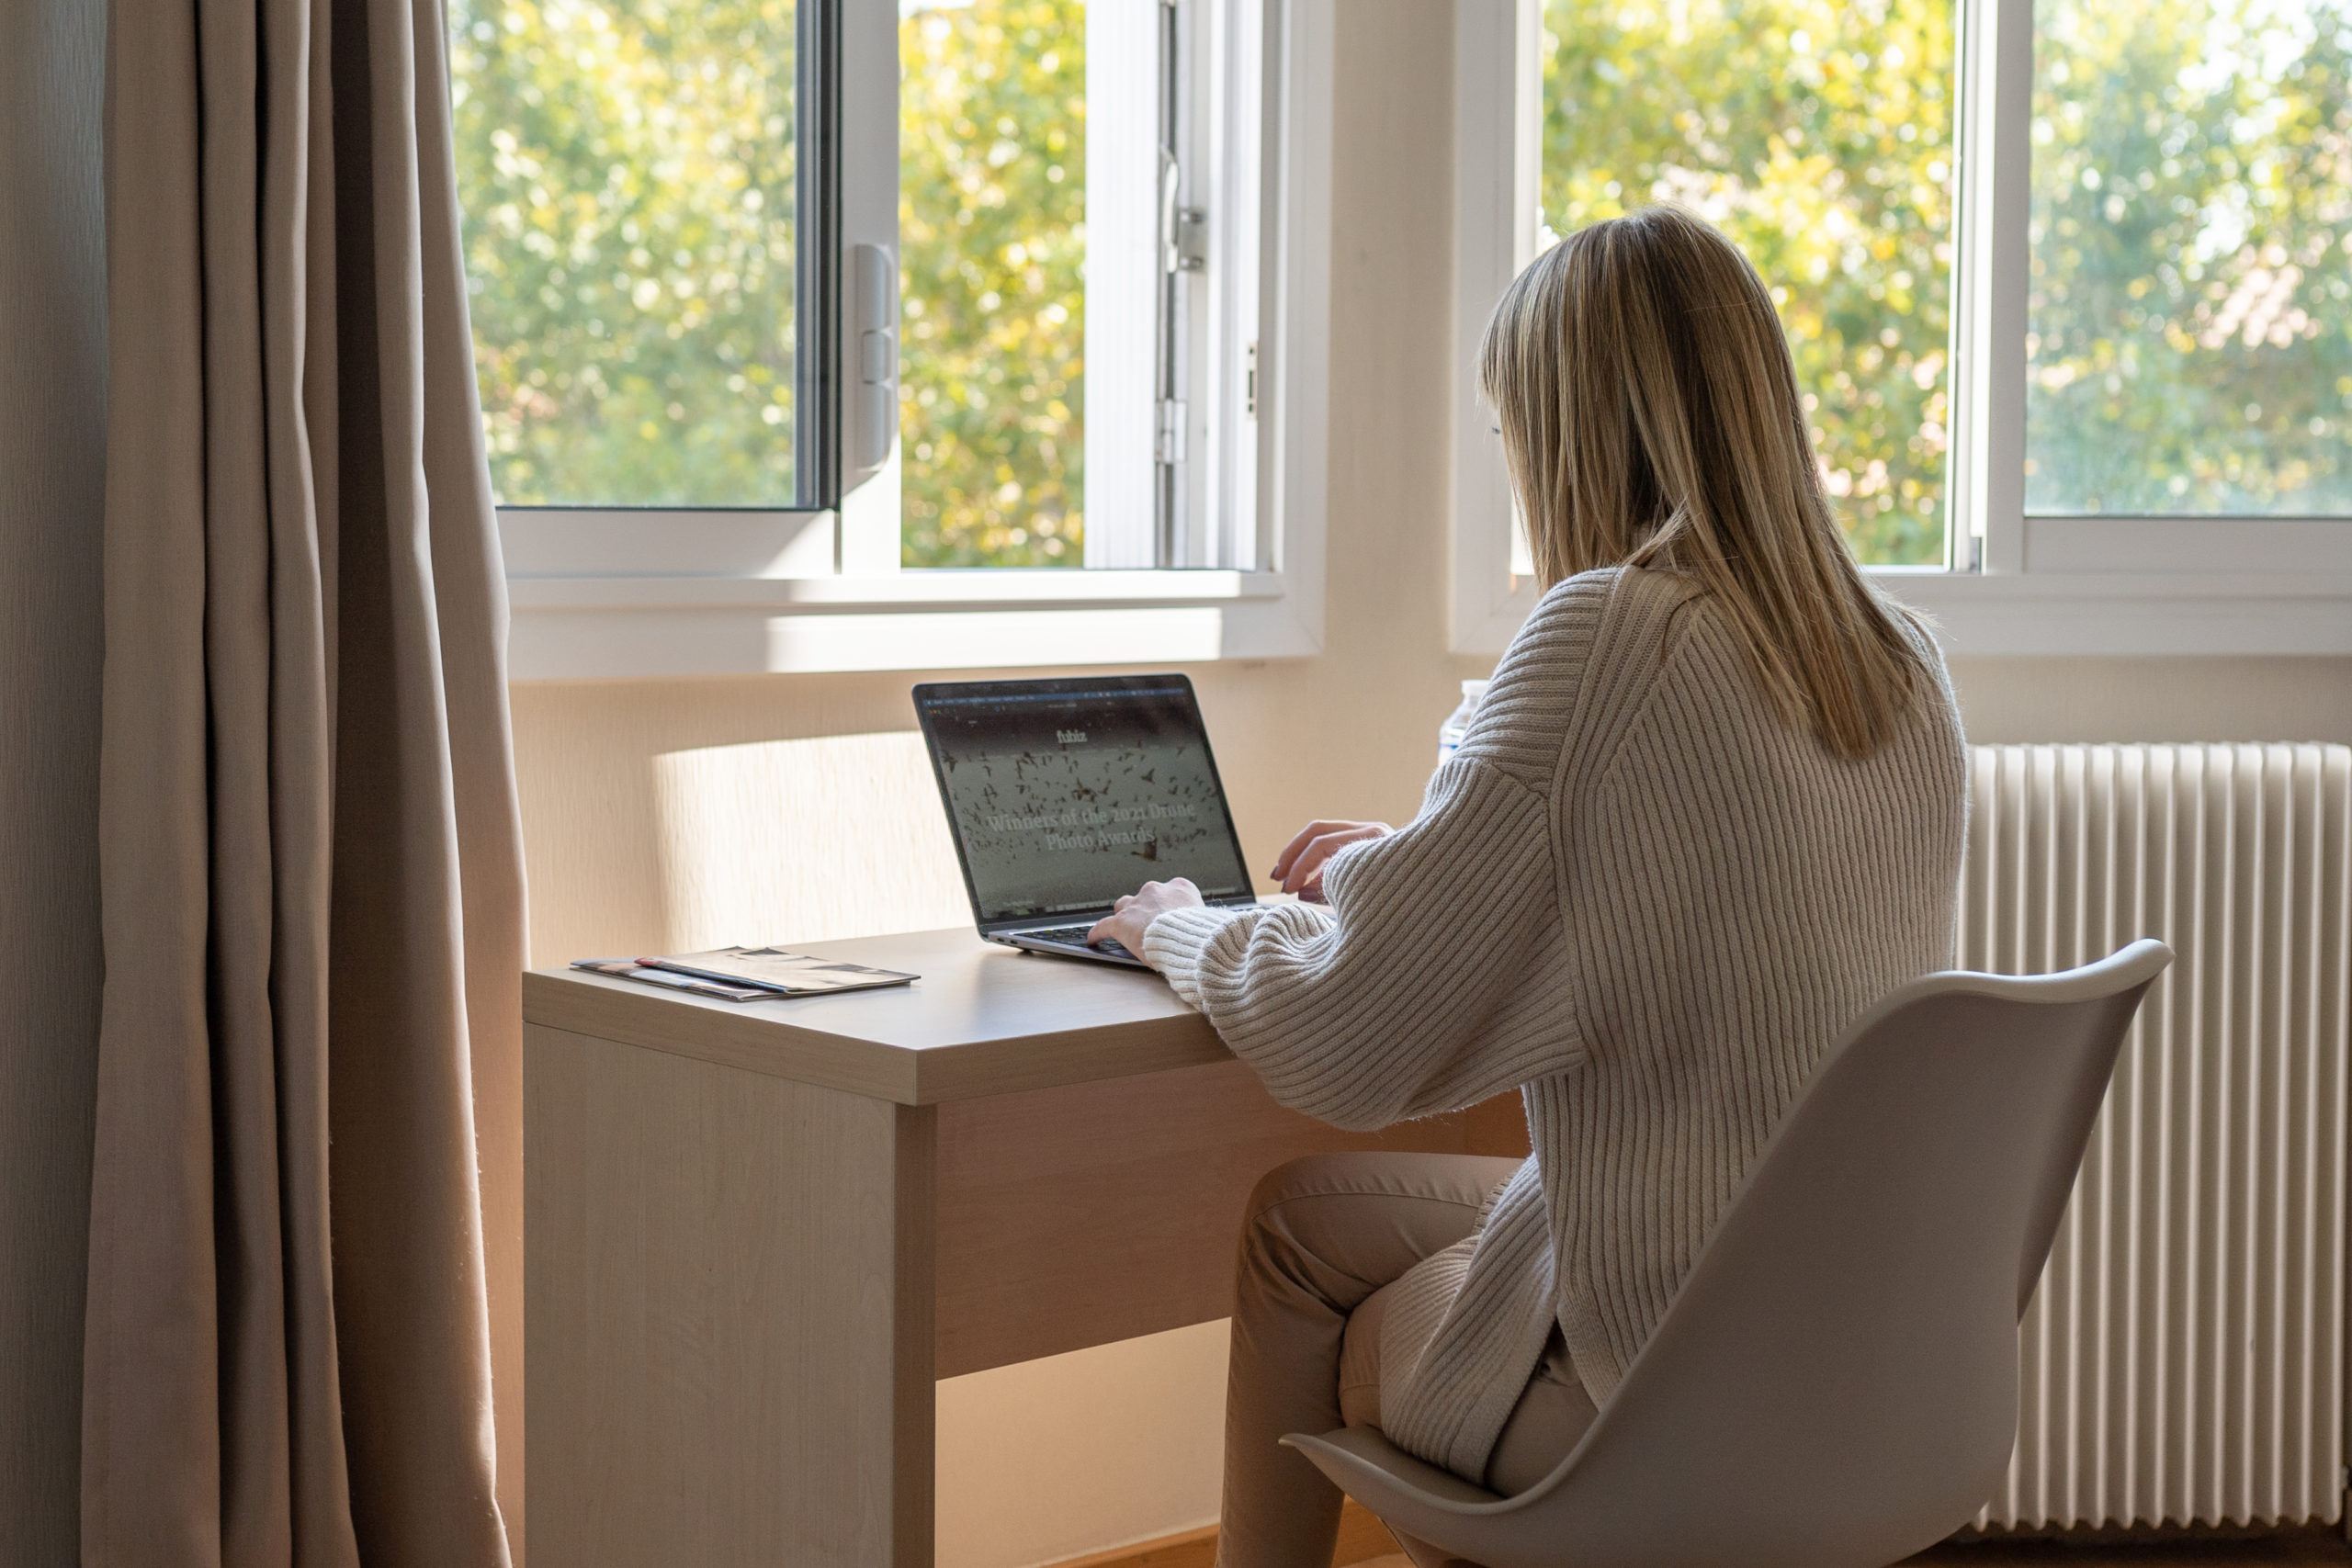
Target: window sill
617, 627
2056, 614
611, 628
2061, 613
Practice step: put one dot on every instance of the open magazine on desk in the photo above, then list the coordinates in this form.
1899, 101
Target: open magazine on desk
748, 973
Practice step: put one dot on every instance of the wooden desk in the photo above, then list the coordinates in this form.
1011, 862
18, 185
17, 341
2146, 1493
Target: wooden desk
756, 1234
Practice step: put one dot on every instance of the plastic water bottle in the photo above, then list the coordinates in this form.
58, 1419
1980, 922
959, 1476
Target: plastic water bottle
1450, 733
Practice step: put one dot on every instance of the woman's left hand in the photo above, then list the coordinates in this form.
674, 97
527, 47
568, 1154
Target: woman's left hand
1131, 915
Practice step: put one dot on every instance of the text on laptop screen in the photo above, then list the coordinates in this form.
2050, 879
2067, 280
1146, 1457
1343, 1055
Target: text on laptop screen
1065, 799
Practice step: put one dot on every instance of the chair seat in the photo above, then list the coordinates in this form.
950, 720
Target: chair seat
1369, 1446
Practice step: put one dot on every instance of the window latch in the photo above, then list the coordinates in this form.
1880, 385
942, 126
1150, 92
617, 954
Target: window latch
1184, 230
1168, 445
1190, 253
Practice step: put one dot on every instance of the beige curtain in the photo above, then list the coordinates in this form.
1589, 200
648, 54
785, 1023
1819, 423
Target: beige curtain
309, 1080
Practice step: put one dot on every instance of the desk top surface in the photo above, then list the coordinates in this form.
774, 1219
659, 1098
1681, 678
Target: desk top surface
982, 1019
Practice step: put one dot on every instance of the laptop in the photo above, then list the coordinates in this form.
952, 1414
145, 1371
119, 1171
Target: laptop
1064, 795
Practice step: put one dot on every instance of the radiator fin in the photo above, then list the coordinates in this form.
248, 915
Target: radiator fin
2183, 1360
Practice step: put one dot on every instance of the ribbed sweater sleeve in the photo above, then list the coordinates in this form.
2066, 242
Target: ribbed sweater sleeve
1408, 996
1387, 1011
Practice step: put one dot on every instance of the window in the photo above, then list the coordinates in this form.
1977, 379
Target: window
636, 224
788, 310
2189, 328
2068, 284
1079, 214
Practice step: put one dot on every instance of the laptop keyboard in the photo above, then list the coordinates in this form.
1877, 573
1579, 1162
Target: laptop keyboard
1074, 936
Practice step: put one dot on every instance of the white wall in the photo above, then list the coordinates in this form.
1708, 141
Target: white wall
1056, 1459
2155, 699
53, 413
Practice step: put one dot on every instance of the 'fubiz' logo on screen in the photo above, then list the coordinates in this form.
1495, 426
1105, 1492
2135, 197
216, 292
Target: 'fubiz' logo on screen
1071, 736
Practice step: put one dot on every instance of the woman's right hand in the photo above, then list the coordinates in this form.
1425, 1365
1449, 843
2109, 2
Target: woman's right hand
1300, 866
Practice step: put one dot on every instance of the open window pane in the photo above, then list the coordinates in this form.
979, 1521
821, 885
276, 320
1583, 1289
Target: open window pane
992, 293
630, 174
2191, 328
1817, 134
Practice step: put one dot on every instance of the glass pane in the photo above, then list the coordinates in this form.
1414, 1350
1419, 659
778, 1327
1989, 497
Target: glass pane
628, 173
2190, 335
992, 294
1818, 136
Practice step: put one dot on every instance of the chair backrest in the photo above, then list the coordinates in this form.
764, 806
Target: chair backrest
1836, 1382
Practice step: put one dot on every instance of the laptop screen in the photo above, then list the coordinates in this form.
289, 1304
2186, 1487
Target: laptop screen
1063, 795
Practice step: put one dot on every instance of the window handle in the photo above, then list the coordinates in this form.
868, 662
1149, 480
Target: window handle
874, 352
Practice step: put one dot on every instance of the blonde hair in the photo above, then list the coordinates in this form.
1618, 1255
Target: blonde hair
1650, 417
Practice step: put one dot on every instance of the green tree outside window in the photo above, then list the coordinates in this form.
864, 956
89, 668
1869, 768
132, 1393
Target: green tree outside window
2190, 321
628, 172
992, 293
1817, 134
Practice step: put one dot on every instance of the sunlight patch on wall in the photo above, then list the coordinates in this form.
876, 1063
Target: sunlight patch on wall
820, 838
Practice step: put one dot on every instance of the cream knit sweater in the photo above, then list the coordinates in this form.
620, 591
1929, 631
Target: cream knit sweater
1638, 897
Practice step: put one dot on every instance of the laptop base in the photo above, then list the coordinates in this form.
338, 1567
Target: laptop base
1110, 954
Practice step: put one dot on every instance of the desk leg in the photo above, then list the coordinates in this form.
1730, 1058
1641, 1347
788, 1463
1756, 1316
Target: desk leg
728, 1315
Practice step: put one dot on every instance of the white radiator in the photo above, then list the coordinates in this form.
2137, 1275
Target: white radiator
2184, 1357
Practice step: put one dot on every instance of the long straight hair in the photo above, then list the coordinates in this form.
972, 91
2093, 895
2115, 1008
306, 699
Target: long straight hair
1650, 417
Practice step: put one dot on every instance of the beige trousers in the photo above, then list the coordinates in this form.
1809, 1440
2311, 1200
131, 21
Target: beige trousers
1324, 1236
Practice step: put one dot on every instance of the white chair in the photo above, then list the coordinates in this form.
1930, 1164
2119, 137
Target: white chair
1836, 1384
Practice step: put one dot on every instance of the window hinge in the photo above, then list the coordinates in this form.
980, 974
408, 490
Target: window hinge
1169, 446
1250, 381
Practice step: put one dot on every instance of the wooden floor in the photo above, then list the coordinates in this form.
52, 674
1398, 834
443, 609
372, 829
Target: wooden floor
2324, 1545
1364, 1544
2254, 1553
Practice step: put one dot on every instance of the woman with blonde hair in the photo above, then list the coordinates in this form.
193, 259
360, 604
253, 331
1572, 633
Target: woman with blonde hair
1710, 808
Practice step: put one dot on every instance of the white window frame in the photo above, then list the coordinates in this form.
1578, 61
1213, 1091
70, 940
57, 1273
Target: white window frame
2020, 584
691, 591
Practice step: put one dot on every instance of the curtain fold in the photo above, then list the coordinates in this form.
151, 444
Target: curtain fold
308, 1077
